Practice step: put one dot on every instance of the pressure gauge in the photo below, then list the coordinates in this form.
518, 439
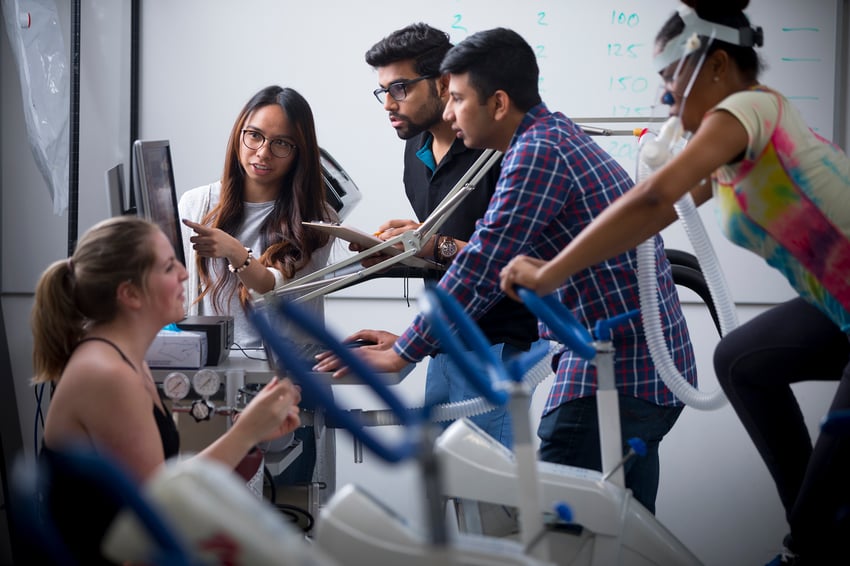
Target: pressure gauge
206, 382
176, 385
202, 410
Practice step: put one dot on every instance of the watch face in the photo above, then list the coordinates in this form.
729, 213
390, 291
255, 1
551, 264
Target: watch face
448, 248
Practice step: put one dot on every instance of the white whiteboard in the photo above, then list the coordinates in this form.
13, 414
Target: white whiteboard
202, 59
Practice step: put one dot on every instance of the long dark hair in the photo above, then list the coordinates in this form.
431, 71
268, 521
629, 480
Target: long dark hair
301, 197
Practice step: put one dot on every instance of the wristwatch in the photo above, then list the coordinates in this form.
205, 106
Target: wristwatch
446, 248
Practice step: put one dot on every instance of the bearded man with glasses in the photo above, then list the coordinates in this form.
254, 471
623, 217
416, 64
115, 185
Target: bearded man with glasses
414, 94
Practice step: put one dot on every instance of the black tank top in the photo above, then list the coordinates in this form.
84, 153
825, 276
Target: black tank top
70, 497
164, 423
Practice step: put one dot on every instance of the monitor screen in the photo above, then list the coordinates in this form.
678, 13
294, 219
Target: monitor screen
156, 195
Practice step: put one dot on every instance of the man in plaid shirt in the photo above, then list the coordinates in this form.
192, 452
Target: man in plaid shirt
555, 179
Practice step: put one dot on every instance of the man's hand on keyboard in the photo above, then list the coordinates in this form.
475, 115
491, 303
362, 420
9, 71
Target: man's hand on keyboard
377, 353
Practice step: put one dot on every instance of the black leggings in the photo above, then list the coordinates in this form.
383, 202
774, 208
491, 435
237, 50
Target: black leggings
755, 365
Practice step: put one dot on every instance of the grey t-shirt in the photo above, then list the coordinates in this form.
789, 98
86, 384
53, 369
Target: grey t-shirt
244, 335
194, 204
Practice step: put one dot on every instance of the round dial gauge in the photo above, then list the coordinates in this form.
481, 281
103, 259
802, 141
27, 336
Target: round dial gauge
206, 382
176, 385
202, 410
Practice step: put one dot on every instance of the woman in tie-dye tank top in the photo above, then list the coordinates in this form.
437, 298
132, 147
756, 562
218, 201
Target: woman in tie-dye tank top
782, 192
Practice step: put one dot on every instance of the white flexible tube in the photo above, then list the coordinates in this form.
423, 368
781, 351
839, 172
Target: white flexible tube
651, 318
648, 286
718, 286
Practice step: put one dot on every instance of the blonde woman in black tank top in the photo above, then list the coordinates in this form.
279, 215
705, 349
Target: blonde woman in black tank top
94, 318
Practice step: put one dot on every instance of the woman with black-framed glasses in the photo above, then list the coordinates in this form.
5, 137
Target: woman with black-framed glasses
244, 231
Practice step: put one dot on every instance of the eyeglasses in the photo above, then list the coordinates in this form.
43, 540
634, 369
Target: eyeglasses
255, 140
398, 89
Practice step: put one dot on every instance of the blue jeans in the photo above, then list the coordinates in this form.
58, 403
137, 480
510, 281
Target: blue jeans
570, 436
445, 383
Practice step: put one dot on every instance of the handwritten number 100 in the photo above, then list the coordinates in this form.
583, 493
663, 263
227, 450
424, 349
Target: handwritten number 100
622, 18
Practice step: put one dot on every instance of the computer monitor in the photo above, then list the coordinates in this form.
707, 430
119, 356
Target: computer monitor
156, 195
115, 190
341, 191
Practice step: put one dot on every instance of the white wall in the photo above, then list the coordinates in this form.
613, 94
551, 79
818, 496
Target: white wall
715, 493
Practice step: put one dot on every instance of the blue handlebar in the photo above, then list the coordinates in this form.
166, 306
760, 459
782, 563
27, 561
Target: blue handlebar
605, 327
435, 304
560, 320
409, 419
837, 422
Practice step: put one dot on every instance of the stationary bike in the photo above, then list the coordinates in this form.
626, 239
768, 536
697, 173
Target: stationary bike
608, 525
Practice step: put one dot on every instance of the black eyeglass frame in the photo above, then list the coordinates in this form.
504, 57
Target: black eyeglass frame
275, 142
381, 93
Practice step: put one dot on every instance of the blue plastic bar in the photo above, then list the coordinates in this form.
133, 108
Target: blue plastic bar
604, 327
837, 422
560, 320
435, 304
411, 420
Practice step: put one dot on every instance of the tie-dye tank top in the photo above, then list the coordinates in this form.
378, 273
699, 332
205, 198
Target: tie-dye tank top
788, 200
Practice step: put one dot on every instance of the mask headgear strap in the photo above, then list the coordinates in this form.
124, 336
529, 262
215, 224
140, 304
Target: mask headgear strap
745, 37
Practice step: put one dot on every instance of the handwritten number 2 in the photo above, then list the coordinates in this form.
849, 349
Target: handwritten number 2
456, 25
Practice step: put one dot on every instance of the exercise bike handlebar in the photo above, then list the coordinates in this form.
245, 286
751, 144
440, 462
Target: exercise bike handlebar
439, 308
836, 422
411, 420
435, 303
560, 320
605, 327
